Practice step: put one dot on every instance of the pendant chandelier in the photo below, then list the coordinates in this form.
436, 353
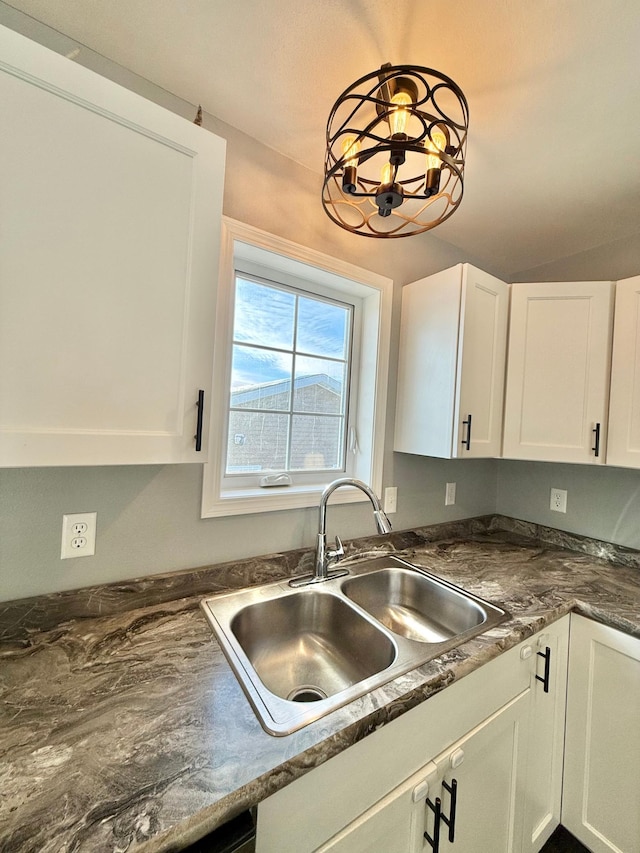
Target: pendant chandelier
394, 163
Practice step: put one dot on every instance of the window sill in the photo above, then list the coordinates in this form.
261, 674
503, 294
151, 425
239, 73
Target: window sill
245, 502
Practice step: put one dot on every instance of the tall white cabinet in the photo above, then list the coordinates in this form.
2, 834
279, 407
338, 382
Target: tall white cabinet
601, 804
452, 361
623, 447
558, 371
110, 219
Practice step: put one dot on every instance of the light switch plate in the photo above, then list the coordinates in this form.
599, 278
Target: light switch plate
450, 494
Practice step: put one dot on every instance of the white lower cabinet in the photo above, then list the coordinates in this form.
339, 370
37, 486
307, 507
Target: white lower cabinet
450, 799
486, 742
543, 777
601, 796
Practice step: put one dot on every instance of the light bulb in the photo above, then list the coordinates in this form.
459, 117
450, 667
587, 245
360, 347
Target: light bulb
385, 175
350, 150
399, 116
437, 142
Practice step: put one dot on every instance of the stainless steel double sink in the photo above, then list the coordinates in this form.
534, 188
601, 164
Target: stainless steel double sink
301, 653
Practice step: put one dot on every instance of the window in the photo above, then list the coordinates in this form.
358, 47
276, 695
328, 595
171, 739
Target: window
290, 371
299, 376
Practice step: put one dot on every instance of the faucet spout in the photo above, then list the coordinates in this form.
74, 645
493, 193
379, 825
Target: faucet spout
324, 556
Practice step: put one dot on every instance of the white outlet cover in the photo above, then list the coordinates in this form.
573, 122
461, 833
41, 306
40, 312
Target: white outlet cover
558, 500
391, 500
78, 535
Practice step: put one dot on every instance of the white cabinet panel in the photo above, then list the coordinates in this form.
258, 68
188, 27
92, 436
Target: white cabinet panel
623, 444
601, 798
396, 824
558, 371
543, 777
490, 783
452, 363
110, 218
486, 816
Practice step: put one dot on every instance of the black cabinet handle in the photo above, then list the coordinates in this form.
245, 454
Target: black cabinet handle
451, 820
467, 441
438, 815
200, 405
546, 654
596, 446
434, 841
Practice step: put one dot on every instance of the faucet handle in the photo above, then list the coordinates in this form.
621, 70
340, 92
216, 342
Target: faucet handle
338, 554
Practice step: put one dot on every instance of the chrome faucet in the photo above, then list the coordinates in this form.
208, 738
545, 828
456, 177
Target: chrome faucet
326, 556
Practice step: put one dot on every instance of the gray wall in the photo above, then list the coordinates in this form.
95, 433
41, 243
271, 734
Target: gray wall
602, 502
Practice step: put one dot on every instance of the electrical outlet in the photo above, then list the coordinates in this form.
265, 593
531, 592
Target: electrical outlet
78, 535
450, 494
558, 501
391, 499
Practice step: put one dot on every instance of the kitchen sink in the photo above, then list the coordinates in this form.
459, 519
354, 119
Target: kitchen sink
414, 605
301, 653
305, 646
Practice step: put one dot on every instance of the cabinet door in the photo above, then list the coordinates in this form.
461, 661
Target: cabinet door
482, 350
543, 776
110, 219
482, 773
489, 783
396, 824
451, 364
601, 799
558, 371
623, 443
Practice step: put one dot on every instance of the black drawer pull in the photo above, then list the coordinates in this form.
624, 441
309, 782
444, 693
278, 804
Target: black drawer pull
596, 446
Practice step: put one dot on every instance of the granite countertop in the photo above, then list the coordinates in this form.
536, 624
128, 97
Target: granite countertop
122, 727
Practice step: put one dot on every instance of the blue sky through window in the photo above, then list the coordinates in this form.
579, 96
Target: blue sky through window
265, 316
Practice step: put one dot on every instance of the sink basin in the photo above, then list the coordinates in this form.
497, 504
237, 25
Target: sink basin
306, 647
414, 605
301, 653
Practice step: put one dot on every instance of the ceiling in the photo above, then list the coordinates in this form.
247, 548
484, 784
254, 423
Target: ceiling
553, 160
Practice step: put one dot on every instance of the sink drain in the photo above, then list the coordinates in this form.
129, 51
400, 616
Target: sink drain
306, 693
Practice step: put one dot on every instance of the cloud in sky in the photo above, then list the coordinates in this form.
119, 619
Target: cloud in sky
265, 316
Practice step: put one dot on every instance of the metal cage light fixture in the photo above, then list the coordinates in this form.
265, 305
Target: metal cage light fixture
395, 152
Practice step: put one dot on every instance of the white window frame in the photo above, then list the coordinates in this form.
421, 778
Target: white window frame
375, 293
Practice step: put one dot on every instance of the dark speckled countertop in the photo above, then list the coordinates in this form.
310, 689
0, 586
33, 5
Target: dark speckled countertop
122, 727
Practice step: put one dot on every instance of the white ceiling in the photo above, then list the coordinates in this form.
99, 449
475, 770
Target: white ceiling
553, 161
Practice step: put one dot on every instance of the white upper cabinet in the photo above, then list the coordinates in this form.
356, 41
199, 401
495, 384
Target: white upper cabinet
452, 363
558, 371
623, 444
110, 220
